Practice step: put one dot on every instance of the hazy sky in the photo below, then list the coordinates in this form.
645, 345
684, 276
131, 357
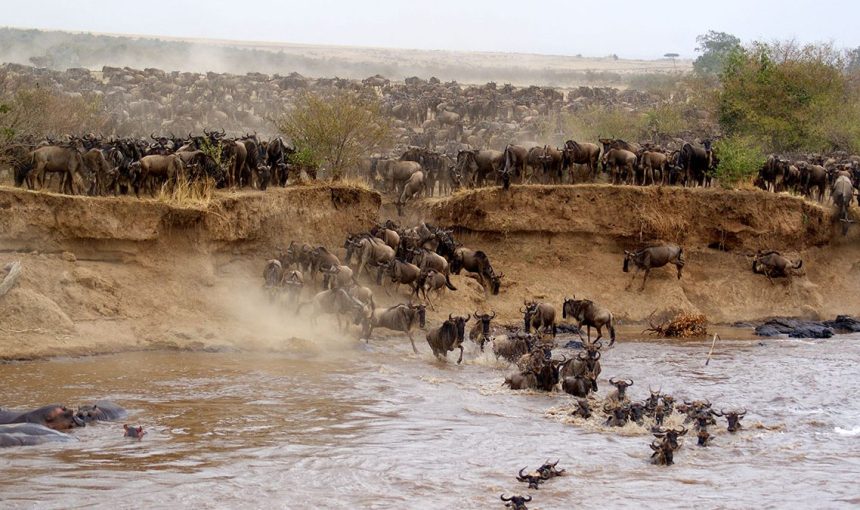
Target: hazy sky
629, 28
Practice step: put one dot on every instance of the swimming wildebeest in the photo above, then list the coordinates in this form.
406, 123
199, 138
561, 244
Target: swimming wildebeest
773, 263
620, 393
516, 502
538, 316
448, 336
513, 347
578, 385
733, 418
534, 478
480, 332
587, 312
653, 257
402, 317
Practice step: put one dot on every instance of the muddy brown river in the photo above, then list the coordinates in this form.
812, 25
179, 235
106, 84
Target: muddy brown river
355, 426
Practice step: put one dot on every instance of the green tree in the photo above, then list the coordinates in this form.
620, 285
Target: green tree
335, 130
789, 96
740, 159
715, 48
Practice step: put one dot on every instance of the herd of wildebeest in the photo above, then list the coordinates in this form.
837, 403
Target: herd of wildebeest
312, 279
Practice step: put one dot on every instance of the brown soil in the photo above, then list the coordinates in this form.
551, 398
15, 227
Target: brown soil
110, 274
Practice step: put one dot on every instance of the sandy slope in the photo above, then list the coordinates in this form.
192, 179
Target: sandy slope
110, 274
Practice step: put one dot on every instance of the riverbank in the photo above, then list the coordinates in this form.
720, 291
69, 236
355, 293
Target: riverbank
116, 274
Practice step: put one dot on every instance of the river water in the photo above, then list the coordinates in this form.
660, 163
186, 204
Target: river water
374, 426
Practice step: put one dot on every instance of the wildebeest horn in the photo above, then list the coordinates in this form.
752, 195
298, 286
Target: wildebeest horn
152, 135
520, 474
581, 356
742, 413
504, 498
721, 413
681, 432
450, 317
598, 344
205, 132
597, 355
522, 310
630, 383
527, 499
478, 317
612, 381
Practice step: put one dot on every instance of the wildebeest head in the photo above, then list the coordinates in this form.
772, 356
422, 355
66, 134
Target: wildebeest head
516, 502
549, 468
265, 173
618, 414
528, 310
637, 412
496, 283
622, 386
654, 398
733, 418
670, 436
460, 324
628, 256
534, 478
663, 453
485, 322
703, 437
422, 314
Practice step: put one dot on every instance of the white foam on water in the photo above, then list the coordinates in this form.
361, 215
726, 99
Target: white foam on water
854, 431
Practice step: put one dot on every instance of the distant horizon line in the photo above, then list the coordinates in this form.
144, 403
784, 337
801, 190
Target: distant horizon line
260, 44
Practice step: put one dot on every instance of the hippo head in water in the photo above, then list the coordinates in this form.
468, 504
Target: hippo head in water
54, 416
100, 411
135, 432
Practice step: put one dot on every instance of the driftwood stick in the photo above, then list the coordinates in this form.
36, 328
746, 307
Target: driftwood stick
713, 343
14, 272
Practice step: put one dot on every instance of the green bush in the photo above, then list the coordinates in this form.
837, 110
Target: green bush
740, 158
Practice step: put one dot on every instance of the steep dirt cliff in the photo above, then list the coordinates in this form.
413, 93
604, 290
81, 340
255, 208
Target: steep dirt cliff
108, 274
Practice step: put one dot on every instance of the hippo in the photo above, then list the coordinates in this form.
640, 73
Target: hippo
135, 432
102, 410
54, 416
28, 434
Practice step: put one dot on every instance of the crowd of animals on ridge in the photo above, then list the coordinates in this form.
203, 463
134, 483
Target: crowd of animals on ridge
440, 126
424, 256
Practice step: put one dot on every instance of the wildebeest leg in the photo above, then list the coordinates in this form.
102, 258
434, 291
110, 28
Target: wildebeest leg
412, 340
599, 333
633, 278
645, 278
588, 332
460, 359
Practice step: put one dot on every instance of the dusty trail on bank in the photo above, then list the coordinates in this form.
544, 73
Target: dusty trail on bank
113, 274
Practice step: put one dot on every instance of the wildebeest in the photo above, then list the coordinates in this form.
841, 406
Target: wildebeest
618, 414
426, 259
401, 273
587, 312
477, 166
154, 168
293, 281
579, 385
538, 316
549, 468
582, 409
585, 364
480, 332
842, 194
534, 478
476, 261
696, 163
618, 160
521, 381
430, 281
663, 453
65, 161
582, 154
774, 264
402, 317
516, 502
513, 347
448, 336
514, 164
371, 252
620, 392
272, 277
733, 418
411, 188
334, 301
653, 257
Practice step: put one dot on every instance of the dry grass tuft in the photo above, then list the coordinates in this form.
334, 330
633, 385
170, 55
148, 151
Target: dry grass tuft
188, 194
683, 325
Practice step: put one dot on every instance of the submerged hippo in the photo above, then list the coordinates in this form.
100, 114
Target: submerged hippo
54, 416
135, 432
28, 434
102, 410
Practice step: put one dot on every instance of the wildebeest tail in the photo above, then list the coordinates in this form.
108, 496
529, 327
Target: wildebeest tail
448, 282
681, 255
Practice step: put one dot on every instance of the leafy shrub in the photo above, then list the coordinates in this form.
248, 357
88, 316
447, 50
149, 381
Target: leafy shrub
740, 159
